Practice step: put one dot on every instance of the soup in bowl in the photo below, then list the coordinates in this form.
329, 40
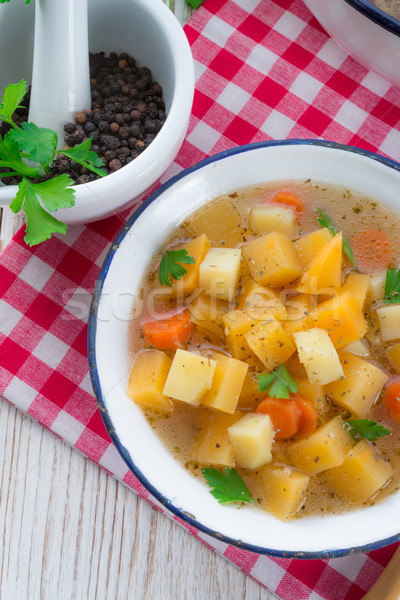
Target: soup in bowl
244, 350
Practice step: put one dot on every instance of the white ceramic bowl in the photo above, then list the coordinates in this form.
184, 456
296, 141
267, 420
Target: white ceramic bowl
370, 35
118, 287
150, 33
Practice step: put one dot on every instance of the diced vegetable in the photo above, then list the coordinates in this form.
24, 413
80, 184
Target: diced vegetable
196, 248
272, 260
285, 415
190, 377
389, 322
250, 393
251, 440
205, 308
391, 399
372, 250
147, 380
219, 272
361, 475
220, 221
376, 289
308, 246
324, 273
264, 219
309, 417
227, 383
211, 445
316, 394
261, 302
169, 333
358, 347
325, 449
284, 490
359, 389
357, 284
270, 343
393, 354
289, 199
318, 355
342, 319
237, 323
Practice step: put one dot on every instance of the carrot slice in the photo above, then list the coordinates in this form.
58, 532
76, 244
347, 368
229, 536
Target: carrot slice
285, 415
169, 333
309, 417
391, 400
290, 199
372, 250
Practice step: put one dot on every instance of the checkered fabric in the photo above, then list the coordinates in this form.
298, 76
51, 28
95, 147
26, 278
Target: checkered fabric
265, 69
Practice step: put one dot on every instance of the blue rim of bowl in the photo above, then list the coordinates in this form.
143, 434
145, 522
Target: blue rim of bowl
377, 15
101, 402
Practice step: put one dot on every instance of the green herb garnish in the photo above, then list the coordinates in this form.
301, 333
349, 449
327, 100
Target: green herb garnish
392, 286
227, 486
194, 3
171, 265
367, 429
28, 152
4, 1
278, 384
325, 221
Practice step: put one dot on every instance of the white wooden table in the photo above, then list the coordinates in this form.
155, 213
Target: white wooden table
69, 531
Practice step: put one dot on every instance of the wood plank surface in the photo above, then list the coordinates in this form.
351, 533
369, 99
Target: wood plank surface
70, 531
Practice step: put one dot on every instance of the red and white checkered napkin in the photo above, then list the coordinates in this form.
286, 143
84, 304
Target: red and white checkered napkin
265, 70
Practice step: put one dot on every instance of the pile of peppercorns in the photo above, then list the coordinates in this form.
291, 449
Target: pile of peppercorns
126, 114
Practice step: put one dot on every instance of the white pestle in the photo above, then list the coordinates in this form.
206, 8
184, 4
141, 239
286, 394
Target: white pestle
60, 75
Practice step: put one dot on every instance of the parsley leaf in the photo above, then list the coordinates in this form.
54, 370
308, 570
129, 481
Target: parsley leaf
54, 194
194, 3
37, 142
228, 486
10, 158
367, 429
13, 95
326, 221
171, 265
279, 383
392, 286
83, 155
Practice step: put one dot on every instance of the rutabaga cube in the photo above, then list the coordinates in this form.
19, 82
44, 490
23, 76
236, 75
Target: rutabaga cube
284, 490
318, 355
251, 440
220, 272
189, 377
389, 322
264, 219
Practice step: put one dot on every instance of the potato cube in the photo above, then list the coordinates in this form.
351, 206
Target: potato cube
361, 475
376, 289
308, 246
318, 355
360, 387
206, 308
270, 343
342, 319
190, 377
264, 219
211, 445
324, 273
237, 323
357, 285
393, 354
198, 249
324, 449
272, 260
251, 439
389, 322
220, 221
284, 490
358, 347
147, 380
227, 383
219, 272
261, 302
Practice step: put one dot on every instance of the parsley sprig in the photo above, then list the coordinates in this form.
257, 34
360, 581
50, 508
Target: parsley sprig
227, 486
171, 265
367, 429
326, 221
392, 286
278, 384
4, 1
28, 152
